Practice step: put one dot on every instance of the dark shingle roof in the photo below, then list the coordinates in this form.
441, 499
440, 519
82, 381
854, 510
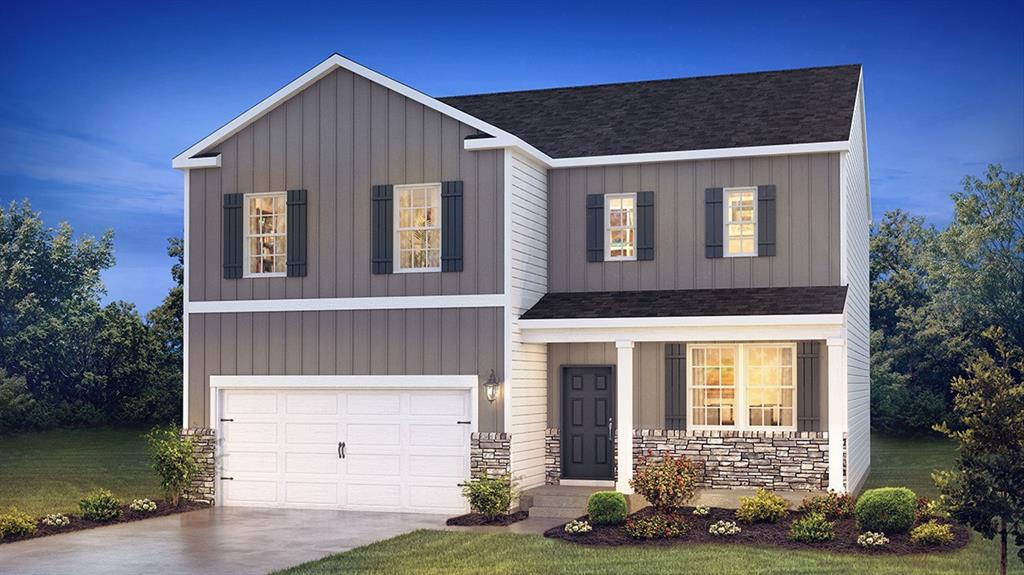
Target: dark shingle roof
757, 109
689, 303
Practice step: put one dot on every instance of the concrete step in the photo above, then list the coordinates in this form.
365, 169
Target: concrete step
558, 512
564, 501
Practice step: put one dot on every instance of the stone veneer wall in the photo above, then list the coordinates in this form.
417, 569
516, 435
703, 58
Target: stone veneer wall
490, 454
781, 461
202, 487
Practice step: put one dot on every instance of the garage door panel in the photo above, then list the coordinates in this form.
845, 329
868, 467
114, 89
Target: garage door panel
373, 434
374, 465
250, 491
320, 493
374, 495
250, 403
438, 403
311, 404
373, 403
436, 465
435, 498
250, 433
437, 435
311, 433
320, 463
238, 461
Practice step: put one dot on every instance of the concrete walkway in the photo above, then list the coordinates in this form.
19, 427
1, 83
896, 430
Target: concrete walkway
220, 540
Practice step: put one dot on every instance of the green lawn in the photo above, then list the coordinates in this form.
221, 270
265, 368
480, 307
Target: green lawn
894, 462
50, 471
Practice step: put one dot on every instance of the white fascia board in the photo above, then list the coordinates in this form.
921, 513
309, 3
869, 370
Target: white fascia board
345, 381
323, 69
348, 303
189, 163
864, 140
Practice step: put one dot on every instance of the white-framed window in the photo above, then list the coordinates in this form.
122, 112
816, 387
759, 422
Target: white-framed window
266, 234
418, 228
620, 227
740, 221
742, 386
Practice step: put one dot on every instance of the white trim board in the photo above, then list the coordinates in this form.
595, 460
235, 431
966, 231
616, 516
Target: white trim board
321, 70
348, 303
345, 381
690, 329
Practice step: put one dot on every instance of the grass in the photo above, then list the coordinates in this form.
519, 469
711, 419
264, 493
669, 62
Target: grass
50, 471
894, 462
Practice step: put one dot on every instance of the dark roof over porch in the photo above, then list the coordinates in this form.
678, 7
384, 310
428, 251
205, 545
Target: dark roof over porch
690, 303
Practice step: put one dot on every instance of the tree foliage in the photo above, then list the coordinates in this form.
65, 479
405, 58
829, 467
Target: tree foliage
66, 359
986, 487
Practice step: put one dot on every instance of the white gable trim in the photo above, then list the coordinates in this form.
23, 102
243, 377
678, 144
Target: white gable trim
182, 160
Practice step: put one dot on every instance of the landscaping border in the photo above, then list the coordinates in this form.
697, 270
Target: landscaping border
127, 515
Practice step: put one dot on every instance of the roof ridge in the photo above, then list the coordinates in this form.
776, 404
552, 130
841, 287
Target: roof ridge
651, 81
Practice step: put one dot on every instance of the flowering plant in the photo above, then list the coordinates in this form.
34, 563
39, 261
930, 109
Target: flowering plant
701, 511
872, 539
577, 526
724, 528
143, 505
668, 482
56, 520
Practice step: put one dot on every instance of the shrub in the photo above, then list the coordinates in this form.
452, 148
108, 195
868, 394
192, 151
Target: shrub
577, 527
490, 496
832, 505
607, 508
15, 524
143, 505
871, 539
724, 528
812, 528
928, 509
932, 533
763, 507
657, 526
100, 506
886, 509
56, 520
174, 460
668, 483
701, 511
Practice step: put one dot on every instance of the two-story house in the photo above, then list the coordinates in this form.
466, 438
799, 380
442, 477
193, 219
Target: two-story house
388, 292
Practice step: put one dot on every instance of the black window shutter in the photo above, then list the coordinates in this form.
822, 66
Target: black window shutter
451, 226
645, 225
713, 223
808, 390
675, 386
595, 227
233, 236
766, 220
298, 232
382, 228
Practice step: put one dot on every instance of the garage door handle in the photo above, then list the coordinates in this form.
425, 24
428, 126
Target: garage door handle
341, 450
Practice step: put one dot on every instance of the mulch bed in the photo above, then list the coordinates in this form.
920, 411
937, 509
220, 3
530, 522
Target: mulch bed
475, 519
772, 534
79, 524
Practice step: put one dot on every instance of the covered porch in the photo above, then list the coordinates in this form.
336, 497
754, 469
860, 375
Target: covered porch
758, 398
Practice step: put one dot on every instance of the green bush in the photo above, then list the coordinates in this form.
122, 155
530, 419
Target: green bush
763, 507
100, 506
657, 526
667, 483
607, 508
174, 461
812, 528
886, 509
14, 524
932, 533
490, 496
832, 505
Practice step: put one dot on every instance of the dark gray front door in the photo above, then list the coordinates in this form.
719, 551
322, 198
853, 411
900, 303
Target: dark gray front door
588, 404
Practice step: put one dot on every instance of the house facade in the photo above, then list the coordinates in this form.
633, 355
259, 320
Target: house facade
387, 293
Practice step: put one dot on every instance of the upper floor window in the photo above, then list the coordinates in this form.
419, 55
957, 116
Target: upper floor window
744, 386
266, 231
620, 227
418, 228
740, 215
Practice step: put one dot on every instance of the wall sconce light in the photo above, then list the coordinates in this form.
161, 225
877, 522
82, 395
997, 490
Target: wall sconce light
491, 387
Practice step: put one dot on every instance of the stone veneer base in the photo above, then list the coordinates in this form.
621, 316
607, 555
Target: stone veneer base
780, 461
202, 488
490, 454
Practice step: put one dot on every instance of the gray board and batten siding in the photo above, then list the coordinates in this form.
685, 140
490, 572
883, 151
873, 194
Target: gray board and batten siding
807, 224
336, 140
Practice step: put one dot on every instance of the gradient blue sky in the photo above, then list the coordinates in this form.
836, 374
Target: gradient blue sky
95, 98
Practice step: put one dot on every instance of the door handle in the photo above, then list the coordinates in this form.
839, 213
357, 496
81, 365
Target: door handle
341, 450
610, 436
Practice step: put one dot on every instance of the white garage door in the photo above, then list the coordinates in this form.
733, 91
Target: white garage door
374, 450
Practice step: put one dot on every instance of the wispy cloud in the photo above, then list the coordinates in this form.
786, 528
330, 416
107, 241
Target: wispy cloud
113, 178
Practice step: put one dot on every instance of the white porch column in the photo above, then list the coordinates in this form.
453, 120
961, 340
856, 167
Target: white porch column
836, 413
624, 415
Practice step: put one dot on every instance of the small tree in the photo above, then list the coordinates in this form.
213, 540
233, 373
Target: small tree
986, 487
173, 460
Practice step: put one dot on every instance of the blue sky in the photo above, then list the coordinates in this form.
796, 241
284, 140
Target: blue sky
95, 98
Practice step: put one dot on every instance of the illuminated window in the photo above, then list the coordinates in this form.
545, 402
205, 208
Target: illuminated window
620, 227
266, 234
740, 221
418, 228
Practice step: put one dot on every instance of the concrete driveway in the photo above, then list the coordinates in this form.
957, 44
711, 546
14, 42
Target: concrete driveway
220, 540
